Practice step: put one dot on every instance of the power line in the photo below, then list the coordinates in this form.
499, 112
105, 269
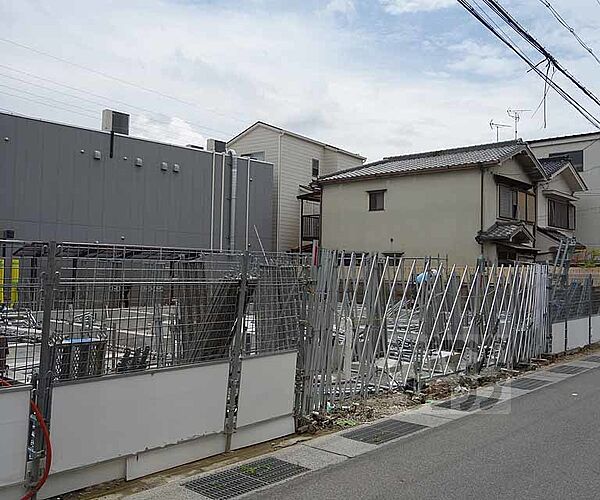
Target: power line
46, 104
62, 103
102, 104
523, 33
533, 66
571, 30
117, 79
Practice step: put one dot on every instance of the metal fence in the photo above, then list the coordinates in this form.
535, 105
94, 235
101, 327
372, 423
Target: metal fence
577, 298
122, 308
378, 323
362, 323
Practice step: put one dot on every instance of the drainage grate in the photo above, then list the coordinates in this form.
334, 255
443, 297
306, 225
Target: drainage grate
593, 359
244, 479
569, 369
384, 431
468, 403
528, 383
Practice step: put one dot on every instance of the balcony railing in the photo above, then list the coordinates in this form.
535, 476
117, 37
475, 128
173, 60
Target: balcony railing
310, 227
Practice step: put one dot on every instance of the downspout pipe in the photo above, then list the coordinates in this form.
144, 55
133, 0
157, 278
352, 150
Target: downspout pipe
232, 198
481, 200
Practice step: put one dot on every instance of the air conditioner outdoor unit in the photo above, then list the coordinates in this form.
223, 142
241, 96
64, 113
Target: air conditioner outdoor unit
113, 121
216, 146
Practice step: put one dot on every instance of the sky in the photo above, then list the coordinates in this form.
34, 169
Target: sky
376, 77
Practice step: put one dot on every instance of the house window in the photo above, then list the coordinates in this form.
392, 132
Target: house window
259, 155
576, 158
515, 203
561, 214
376, 200
315, 168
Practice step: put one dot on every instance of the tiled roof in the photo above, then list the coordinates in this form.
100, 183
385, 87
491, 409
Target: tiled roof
434, 160
503, 231
553, 165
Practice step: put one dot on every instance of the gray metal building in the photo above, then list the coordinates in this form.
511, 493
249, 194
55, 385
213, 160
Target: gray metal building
59, 182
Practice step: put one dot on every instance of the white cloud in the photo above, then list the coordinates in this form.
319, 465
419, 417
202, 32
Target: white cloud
344, 7
403, 6
173, 130
484, 60
361, 89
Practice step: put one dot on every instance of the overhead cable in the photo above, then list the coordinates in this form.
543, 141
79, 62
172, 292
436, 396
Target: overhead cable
533, 66
571, 30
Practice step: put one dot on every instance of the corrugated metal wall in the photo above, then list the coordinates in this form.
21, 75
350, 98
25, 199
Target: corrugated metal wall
53, 187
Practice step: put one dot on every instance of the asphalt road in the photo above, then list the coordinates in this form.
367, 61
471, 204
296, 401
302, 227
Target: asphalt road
543, 445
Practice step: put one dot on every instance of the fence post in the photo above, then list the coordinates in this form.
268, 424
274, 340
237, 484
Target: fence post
590, 287
43, 386
235, 356
566, 332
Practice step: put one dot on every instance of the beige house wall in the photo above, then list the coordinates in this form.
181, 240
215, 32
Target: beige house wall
267, 141
588, 205
427, 214
292, 158
296, 161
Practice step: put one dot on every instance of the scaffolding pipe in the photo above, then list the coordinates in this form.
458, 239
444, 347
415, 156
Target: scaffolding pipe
232, 199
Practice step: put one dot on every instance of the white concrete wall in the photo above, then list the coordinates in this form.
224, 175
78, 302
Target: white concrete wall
577, 333
588, 206
110, 417
266, 402
14, 422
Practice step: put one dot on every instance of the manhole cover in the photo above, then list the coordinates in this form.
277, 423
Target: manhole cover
527, 383
245, 478
593, 359
468, 403
384, 431
569, 369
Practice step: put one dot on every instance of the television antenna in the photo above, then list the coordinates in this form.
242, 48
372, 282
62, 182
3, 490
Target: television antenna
515, 114
498, 126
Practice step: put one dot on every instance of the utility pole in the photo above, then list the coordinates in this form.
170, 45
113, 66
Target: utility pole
498, 126
515, 114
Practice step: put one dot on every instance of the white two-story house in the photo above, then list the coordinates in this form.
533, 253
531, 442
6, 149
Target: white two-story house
583, 150
556, 208
297, 161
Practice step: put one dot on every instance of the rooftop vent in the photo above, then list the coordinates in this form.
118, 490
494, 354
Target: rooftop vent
216, 146
113, 121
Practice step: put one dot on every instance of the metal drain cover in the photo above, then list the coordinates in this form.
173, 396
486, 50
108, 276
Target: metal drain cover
383, 431
593, 359
244, 479
468, 403
569, 369
528, 383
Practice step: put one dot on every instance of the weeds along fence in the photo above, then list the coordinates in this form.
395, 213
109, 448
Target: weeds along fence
122, 308
377, 323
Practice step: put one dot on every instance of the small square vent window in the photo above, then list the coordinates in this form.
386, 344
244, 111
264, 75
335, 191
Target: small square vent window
163, 165
138, 162
176, 167
97, 155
